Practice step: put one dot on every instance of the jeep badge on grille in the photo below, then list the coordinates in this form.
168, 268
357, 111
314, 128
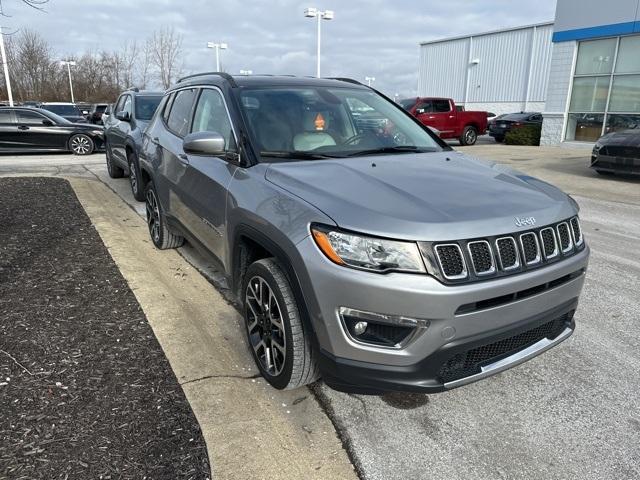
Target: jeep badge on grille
525, 221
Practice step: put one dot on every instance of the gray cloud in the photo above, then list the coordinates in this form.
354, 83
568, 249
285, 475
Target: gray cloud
367, 38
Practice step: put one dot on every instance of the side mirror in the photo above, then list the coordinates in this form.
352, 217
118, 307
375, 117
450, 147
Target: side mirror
204, 143
124, 116
420, 111
47, 123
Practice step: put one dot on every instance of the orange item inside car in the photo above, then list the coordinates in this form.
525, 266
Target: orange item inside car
319, 122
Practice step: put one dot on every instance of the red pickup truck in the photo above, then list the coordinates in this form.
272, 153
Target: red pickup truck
443, 115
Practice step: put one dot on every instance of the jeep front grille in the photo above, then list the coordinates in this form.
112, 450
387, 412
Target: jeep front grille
477, 259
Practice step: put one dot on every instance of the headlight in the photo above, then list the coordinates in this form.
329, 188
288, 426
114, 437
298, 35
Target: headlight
368, 253
597, 147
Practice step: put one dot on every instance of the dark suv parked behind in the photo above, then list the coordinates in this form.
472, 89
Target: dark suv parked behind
368, 252
123, 134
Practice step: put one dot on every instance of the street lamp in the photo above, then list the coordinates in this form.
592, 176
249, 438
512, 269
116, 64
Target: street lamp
369, 80
246, 72
69, 64
312, 12
218, 47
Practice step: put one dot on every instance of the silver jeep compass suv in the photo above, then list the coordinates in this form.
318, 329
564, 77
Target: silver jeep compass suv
362, 248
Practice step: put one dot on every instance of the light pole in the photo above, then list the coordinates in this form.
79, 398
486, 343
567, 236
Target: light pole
217, 47
320, 15
369, 80
7, 81
69, 64
246, 72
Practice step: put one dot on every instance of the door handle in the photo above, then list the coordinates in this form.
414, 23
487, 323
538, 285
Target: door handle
155, 141
184, 158
452, 116
23, 127
431, 117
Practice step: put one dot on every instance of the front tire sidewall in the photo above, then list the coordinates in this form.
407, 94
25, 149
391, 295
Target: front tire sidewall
134, 176
283, 379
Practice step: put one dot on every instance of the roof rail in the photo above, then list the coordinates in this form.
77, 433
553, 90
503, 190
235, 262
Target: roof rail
348, 80
224, 75
133, 89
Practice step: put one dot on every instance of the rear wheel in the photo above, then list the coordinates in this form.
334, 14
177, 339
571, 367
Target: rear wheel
161, 236
113, 170
280, 346
469, 136
135, 179
81, 144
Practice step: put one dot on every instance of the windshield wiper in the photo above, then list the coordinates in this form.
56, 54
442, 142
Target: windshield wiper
296, 155
396, 149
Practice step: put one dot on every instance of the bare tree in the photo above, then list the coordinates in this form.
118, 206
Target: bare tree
166, 49
37, 4
145, 64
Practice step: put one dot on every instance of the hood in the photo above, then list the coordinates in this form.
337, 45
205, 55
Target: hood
627, 138
427, 196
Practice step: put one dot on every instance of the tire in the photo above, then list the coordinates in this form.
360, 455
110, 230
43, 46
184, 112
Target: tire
135, 179
113, 170
469, 136
81, 144
293, 362
160, 234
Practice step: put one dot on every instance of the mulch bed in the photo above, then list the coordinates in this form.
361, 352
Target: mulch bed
85, 389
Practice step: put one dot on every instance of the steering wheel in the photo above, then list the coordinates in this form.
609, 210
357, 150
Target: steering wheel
352, 140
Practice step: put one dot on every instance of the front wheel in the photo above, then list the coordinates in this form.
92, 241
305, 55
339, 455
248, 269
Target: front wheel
161, 236
81, 144
280, 346
469, 136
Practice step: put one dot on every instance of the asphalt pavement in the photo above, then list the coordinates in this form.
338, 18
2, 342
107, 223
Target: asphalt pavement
572, 413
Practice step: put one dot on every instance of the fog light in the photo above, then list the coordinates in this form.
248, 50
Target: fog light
359, 328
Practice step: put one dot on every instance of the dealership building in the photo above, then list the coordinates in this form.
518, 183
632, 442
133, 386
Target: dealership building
582, 71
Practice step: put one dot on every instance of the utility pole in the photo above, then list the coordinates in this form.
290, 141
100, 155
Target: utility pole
69, 64
5, 67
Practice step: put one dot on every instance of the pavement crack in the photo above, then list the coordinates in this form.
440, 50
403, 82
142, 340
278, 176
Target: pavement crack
206, 377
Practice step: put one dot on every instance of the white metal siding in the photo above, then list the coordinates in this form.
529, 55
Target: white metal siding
442, 70
512, 64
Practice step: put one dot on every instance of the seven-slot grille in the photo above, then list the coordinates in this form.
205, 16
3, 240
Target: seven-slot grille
507, 254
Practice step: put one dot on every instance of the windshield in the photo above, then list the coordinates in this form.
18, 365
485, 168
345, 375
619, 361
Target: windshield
69, 110
322, 122
146, 107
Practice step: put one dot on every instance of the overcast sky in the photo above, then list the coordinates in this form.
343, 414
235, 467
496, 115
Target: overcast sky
367, 37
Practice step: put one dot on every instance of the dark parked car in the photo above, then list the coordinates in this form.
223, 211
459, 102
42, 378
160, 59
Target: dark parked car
66, 110
123, 134
26, 129
95, 114
617, 152
500, 126
374, 256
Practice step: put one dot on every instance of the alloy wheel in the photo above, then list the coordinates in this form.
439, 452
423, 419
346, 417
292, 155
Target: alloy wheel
153, 216
133, 178
265, 325
470, 136
80, 145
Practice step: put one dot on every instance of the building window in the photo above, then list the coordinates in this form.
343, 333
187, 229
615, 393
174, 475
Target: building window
606, 88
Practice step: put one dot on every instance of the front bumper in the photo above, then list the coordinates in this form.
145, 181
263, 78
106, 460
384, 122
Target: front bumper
351, 365
615, 164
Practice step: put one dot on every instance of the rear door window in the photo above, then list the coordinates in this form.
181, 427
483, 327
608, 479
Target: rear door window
441, 106
6, 116
180, 115
29, 118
